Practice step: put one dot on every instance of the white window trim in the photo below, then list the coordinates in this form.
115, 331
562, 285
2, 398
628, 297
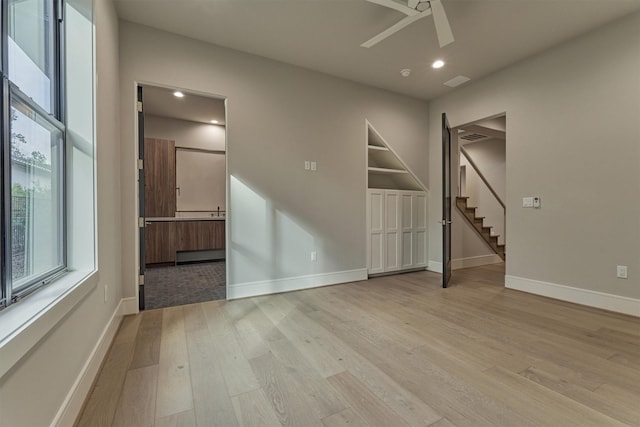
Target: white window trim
24, 325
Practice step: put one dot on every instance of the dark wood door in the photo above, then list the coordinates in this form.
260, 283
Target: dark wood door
446, 201
159, 178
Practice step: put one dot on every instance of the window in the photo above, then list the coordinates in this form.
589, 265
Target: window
33, 142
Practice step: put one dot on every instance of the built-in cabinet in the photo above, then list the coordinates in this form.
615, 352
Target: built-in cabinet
159, 178
396, 211
165, 234
199, 235
160, 242
164, 238
396, 230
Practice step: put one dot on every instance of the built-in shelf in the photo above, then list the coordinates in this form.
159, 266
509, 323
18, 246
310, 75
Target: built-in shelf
385, 170
377, 147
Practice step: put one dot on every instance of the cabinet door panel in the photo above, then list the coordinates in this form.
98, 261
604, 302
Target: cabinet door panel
160, 242
375, 231
392, 232
159, 178
218, 235
200, 235
420, 230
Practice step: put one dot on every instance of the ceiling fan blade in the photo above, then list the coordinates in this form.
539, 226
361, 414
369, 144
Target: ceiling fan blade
443, 29
397, 6
393, 29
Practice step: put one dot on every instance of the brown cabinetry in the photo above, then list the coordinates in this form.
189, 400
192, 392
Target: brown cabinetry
199, 235
160, 242
159, 178
164, 238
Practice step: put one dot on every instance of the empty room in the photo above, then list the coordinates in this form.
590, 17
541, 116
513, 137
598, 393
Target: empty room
405, 212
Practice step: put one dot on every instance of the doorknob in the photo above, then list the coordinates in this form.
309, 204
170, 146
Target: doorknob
444, 222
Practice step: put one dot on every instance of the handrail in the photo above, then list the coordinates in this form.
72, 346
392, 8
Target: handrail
477, 169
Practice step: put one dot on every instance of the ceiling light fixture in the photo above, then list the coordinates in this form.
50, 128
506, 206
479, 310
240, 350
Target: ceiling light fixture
438, 64
215, 122
178, 94
405, 73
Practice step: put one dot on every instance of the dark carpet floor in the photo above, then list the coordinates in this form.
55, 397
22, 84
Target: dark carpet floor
184, 284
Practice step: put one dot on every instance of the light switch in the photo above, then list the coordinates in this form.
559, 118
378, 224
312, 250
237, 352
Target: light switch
536, 202
314, 166
307, 165
527, 202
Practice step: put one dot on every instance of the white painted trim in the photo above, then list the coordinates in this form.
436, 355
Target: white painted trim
435, 266
475, 261
27, 322
72, 404
129, 306
250, 289
586, 297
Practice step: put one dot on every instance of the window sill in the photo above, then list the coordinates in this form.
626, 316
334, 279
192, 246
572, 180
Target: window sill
25, 323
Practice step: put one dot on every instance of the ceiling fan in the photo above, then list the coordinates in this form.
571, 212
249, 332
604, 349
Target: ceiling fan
415, 10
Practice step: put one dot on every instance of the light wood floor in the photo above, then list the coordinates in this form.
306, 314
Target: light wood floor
391, 351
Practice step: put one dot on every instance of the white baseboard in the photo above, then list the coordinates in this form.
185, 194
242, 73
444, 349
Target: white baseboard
72, 404
587, 297
475, 261
129, 306
266, 287
435, 266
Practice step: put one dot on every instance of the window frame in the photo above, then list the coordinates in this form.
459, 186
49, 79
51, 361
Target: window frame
57, 119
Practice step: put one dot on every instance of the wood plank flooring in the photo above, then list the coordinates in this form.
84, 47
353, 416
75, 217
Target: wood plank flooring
391, 351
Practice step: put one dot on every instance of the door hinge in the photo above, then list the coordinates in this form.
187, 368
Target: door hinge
139, 105
140, 164
140, 222
141, 279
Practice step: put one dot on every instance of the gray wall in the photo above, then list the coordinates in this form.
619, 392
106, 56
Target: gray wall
278, 116
573, 132
186, 134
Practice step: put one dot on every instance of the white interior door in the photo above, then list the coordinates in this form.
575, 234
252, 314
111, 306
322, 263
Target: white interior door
375, 235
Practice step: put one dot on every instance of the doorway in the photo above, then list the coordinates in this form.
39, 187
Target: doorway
183, 202
479, 235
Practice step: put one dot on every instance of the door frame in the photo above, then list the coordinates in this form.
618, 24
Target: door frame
457, 175
139, 208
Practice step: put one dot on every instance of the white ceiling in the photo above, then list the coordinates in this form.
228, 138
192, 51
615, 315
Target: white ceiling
161, 102
325, 35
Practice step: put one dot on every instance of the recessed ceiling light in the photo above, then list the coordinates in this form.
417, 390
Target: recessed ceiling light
178, 94
215, 122
438, 64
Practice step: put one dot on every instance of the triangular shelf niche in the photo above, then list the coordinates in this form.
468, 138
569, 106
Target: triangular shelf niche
385, 169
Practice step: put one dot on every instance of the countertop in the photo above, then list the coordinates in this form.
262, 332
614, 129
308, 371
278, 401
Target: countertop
174, 219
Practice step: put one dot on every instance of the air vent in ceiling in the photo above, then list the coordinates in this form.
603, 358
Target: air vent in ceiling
457, 81
473, 136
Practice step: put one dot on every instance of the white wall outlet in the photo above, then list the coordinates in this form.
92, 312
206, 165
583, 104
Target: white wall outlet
307, 165
527, 202
314, 166
314, 256
621, 272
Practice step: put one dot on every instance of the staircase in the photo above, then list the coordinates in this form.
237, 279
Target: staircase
469, 212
